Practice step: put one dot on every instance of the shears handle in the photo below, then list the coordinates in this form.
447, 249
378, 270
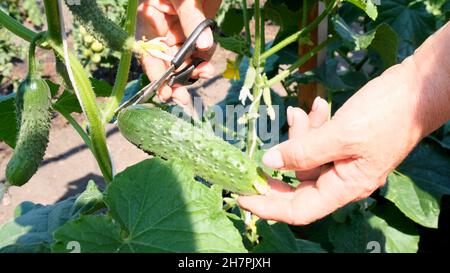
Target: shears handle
189, 45
183, 77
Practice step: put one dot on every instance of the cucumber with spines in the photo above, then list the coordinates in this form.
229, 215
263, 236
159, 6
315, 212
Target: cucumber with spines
97, 24
33, 105
156, 131
33, 110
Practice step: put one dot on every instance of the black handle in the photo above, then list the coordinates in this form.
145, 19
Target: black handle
189, 45
183, 77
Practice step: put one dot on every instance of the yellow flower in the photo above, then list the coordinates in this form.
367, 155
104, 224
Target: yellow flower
232, 71
155, 47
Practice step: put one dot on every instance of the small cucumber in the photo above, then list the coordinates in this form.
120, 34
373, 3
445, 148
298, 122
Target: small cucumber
33, 102
33, 106
156, 131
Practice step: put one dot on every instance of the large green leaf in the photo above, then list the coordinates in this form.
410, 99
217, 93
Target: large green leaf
382, 39
350, 236
91, 234
419, 205
69, 101
34, 224
233, 22
157, 206
32, 231
385, 43
392, 230
410, 20
419, 183
428, 165
361, 229
281, 14
235, 43
277, 237
8, 120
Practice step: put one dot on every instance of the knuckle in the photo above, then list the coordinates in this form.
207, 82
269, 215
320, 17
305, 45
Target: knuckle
367, 188
349, 138
296, 157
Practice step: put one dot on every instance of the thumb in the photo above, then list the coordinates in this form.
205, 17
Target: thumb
315, 148
191, 14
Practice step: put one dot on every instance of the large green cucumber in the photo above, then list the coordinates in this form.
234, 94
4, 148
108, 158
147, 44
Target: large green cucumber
33, 103
94, 20
154, 130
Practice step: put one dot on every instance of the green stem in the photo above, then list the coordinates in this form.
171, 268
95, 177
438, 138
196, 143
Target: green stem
85, 94
92, 113
251, 134
301, 33
294, 67
16, 27
32, 55
53, 25
124, 65
263, 31
246, 22
304, 14
75, 125
257, 49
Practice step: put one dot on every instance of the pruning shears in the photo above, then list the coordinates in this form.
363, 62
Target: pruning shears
182, 77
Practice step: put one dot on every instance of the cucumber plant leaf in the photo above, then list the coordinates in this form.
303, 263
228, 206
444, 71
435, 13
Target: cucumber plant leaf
359, 40
382, 39
235, 43
232, 23
410, 20
419, 205
442, 136
8, 120
366, 5
69, 101
429, 166
393, 230
281, 14
385, 43
156, 206
277, 237
362, 229
32, 230
419, 183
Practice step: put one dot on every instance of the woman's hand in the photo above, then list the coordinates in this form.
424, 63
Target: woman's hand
175, 20
347, 158
341, 160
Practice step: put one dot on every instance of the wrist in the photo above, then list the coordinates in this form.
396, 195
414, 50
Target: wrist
429, 67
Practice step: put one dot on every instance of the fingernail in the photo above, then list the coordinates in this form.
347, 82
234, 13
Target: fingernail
315, 105
204, 75
290, 115
205, 40
273, 159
